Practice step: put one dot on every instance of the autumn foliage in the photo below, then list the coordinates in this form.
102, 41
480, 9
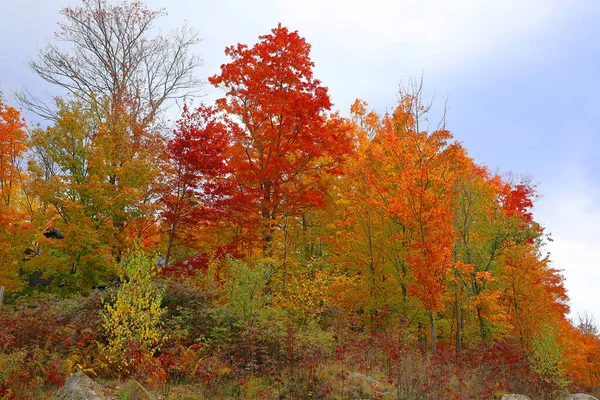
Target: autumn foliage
267, 246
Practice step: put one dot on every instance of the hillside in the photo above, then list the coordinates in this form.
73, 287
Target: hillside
265, 246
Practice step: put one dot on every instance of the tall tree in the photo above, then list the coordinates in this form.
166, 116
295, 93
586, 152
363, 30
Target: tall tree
282, 139
364, 238
418, 177
13, 143
119, 75
14, 221
196, 170
112, 53
99, 179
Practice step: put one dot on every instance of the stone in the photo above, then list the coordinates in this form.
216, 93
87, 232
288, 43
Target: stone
361, 386
512, 396
365, 379
133, 390
80, 387
581, 396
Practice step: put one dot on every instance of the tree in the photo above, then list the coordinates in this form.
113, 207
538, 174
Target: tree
587, 324
533, 292
14, 221
118, 76
282, 139
114, 55
418, 178
195, 170
13, 143
99, 179
476, 246
364, 233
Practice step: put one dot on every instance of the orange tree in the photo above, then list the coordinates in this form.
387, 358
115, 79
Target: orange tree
15, 218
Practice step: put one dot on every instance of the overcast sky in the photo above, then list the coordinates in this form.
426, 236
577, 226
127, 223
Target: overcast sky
522, 78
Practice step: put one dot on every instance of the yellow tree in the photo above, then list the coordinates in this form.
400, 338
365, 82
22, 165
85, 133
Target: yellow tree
97, 175
360, 238
476, 250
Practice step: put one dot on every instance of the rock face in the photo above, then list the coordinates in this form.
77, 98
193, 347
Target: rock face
512, 396
581, 396
79, 387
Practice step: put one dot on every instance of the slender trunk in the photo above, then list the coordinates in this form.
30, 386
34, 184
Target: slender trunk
433, 333
458, 316
482, 332
480, 318
1, 295
404, 289
304, 222
306, 240
373, 288
285, 247
170, 243
120, 225
517, 318
268, 236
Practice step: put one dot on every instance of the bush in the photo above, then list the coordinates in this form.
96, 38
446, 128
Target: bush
189, 312
133, 321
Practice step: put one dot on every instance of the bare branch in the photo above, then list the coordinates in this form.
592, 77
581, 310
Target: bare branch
110, 51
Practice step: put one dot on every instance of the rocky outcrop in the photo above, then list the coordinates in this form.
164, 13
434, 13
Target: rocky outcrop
80, 387
512, 396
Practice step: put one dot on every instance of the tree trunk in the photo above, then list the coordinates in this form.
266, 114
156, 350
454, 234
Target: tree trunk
268, 218
433, 333
170, 243
480, 319
481, 325
285, 251
458, 319
517, 318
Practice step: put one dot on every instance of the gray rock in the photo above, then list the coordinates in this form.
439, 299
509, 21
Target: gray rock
80, 387
581, 396
133, 390
361, 385
512, 396
365, 379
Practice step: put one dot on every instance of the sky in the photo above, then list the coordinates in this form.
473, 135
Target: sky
521, 79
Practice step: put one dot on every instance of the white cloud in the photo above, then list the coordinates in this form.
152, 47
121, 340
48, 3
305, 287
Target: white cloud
364, 48
436, 31
571, 213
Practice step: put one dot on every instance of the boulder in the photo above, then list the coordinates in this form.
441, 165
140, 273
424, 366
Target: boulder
512, 396
365, 380
80, 387
581, 396
133, 390
361, 386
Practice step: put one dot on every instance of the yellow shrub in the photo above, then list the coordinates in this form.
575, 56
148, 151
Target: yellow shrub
132, 322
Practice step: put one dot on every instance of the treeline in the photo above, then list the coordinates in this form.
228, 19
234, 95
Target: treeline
368, 231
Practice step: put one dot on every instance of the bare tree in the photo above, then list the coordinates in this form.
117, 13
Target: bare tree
112, 53
587, 324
